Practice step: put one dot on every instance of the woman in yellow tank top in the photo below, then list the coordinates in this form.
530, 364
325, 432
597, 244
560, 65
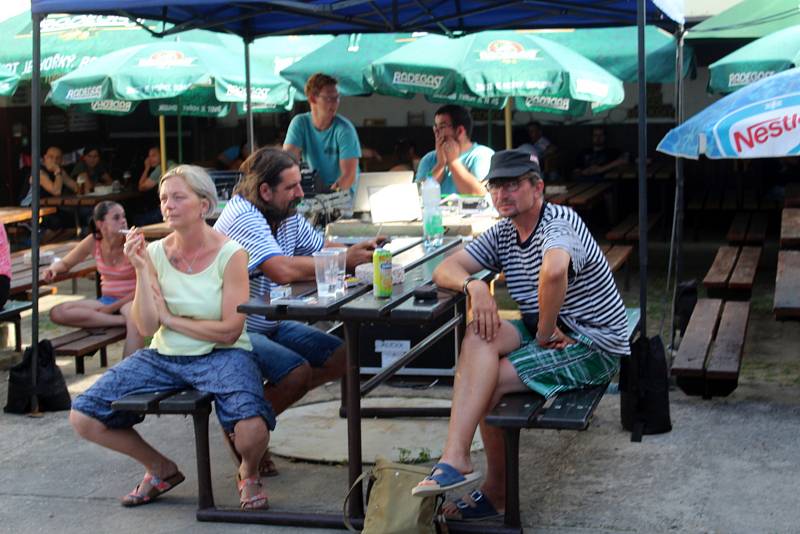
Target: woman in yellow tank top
188, 287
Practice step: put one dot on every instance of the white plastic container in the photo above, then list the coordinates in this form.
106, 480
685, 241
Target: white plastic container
432, 226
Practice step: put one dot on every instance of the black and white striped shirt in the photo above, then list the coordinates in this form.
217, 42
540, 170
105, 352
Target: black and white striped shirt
245, 224
592, 306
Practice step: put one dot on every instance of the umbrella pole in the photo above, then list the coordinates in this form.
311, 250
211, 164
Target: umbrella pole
642, 82
36, 120
251, 142
507, 117
489, 128
162, 143
180, 134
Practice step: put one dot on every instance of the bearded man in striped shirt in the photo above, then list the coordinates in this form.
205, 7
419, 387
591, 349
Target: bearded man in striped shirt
572, 333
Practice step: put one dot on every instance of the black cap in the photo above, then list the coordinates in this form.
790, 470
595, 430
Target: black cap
512, 164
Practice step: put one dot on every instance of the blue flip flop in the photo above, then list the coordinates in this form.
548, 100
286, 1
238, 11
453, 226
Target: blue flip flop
481, 510
447, 479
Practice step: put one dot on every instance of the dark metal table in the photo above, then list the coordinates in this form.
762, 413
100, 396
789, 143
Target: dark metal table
357, 307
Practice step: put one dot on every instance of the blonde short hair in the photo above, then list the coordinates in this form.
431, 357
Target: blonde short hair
198, 181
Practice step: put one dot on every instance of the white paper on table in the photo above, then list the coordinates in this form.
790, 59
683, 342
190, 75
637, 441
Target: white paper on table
396, 202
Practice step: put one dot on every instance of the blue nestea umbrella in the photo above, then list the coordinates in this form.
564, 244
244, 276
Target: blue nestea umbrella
761, 120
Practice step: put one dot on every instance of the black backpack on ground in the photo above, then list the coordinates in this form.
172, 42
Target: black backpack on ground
51, 389
644, 389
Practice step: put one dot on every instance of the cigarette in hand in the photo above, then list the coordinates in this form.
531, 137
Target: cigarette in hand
124, 232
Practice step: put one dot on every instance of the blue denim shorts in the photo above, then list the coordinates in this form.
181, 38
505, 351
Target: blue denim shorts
107, 300
231, 375
289, 346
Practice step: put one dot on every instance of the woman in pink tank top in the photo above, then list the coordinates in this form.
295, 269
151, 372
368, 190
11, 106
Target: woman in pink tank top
117, 277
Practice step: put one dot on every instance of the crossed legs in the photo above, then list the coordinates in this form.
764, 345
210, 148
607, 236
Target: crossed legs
482, 377
89, 314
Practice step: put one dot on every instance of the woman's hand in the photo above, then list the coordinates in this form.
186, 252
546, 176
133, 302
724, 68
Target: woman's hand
164, 315
49, 274
135, 249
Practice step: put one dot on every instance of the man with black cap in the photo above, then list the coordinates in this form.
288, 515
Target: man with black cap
572, 333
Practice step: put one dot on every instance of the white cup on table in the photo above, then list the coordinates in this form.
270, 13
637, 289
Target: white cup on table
330, 265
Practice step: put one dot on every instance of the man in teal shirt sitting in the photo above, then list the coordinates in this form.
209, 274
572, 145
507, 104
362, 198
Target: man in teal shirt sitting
326, 141
457, 163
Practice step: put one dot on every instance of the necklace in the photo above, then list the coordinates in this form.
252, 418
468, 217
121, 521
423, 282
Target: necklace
190, 264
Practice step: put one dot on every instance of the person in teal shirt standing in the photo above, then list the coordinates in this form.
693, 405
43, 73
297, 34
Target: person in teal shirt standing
457, 163
327, 141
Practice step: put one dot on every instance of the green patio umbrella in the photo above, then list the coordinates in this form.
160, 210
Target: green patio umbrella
759, 59
8, 82
68, 41
749, 19
499, 64
345, 58
615, 49
167, 70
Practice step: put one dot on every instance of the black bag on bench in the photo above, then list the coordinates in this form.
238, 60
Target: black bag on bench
51, 389
644, 389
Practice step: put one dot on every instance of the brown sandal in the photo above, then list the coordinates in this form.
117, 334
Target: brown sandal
157, 487
259, 501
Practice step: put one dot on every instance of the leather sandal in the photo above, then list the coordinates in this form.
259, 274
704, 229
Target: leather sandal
157, 487
258, 501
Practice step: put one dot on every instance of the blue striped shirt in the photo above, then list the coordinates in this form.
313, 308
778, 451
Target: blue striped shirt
245, 224
592, 305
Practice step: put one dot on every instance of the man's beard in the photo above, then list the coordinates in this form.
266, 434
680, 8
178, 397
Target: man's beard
276, 216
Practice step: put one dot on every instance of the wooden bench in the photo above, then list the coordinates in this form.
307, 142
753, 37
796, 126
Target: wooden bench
11, 314
187, 402
748, 229
617, 256
733, 273
790, 228
710, 354
787, 286
569, 410
628, 229
81, 344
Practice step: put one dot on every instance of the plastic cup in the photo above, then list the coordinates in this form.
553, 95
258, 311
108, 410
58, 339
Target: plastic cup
330, 265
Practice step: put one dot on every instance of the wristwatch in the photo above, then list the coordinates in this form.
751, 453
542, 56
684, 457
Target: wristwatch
467, 280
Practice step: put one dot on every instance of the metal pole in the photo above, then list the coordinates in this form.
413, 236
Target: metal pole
642, 80
679, 189
180, 134
251, 141
162, 143
507, 116
36, 156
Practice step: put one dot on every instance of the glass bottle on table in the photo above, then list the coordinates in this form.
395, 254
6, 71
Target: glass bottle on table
432, 226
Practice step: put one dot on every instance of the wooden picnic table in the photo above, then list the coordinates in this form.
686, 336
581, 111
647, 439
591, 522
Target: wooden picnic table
16, 214
90, 199
787, 286
22, 272
579, 195
790, 228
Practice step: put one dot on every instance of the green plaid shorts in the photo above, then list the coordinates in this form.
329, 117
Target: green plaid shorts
550, 371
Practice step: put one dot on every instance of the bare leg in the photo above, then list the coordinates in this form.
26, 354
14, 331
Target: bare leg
476, 380
251, 441
290, 389
494, 482
84, 314
133, 339
332, 370
126, 441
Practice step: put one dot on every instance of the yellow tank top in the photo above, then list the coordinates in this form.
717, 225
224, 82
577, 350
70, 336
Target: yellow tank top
195, 296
